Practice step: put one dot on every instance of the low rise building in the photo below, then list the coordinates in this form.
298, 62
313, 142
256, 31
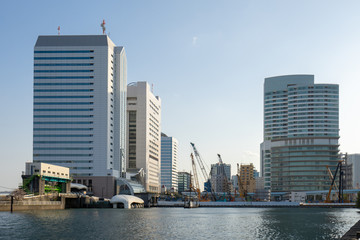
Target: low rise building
41, 178
183, 181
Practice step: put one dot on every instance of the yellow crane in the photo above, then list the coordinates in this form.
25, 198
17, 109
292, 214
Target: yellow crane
206, 176
340, 188
196, 188
242, 190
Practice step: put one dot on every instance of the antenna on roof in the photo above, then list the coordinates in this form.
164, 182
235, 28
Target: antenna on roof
58, 30
103, 26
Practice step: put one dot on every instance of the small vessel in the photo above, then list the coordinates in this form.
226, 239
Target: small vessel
191, 204
191, 201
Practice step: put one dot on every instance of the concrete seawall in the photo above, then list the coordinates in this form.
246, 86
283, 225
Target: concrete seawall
231, 204
259, 204
32, 205
353, 233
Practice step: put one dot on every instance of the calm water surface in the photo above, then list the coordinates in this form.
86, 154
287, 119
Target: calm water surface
179, 223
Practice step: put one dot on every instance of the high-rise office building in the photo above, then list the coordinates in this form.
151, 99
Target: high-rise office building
301, 132
220, 177
80, 106
169, 156
144, 134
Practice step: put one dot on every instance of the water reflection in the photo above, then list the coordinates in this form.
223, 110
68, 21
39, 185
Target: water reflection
179, 223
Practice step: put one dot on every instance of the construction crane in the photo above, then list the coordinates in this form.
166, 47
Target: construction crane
223, 173
242, 191
209, 187
338, 169
196, 180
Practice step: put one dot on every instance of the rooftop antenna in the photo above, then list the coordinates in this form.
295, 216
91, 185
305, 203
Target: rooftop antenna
58, 30
103, 26
152, 88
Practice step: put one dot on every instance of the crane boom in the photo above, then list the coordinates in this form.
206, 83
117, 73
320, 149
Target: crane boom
338, 168
197, 186
200, 162
222, 167
206, 176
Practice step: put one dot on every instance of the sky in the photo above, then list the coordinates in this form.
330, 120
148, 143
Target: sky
207, 60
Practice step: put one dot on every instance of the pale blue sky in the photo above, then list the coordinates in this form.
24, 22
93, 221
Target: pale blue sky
206, 59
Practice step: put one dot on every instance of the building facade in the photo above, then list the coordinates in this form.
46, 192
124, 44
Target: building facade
246, 173
80, 104
234, 182
144, 134
184, 180
41, 178
220, 177
353, 162
169, 158
301, 132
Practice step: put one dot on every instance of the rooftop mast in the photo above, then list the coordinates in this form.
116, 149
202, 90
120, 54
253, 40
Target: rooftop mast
103, 26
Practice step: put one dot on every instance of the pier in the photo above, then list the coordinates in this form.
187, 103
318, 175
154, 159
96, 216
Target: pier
353, 233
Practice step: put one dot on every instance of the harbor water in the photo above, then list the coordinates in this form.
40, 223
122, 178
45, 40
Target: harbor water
179, 223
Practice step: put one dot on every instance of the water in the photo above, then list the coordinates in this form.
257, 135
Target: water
179, 223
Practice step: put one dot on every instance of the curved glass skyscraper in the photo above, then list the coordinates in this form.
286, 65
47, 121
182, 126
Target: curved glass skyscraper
301, 132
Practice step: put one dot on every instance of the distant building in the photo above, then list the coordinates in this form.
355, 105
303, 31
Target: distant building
80, 107
259, 183
301, 132
247, 177
220, 176
41, 178
169, 156
144, 134
183, 181
261, 194
353, 161
234, 182
256, 173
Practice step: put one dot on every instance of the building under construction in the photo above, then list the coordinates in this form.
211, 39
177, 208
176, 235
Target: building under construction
247, 178
220, 176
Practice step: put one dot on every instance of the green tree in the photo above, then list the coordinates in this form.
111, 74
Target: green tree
358, 200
